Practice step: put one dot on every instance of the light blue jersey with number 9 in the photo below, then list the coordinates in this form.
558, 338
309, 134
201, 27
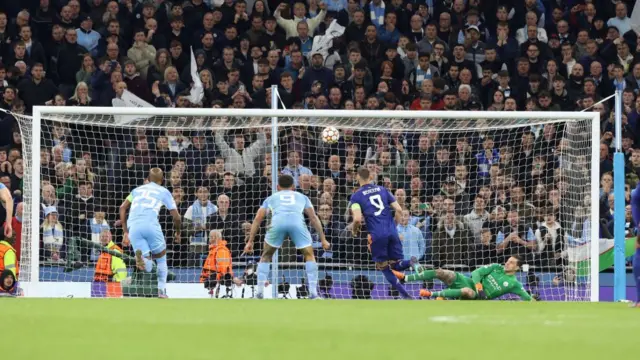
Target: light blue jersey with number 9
287, 218
146, 204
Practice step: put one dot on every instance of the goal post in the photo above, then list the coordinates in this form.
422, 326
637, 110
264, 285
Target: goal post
561, 266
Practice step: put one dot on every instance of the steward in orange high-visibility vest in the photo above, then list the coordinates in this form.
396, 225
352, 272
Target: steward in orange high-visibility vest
219, 258
109, 268
8, 259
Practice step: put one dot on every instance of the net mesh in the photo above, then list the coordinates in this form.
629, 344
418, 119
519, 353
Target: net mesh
475, 191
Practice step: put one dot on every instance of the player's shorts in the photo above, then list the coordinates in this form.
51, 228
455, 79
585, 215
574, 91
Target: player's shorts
147, 238
298, 233
386, 248
461, 282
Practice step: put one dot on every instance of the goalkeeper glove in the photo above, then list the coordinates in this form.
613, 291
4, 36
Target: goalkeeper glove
480, 291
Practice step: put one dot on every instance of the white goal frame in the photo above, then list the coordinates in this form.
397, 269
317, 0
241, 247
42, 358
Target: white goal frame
35, 288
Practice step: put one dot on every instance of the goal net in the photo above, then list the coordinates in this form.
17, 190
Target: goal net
475, 188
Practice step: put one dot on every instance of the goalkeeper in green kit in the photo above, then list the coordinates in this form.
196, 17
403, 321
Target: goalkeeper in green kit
486, 283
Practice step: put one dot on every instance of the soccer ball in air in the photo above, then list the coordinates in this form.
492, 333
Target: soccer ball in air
330, 135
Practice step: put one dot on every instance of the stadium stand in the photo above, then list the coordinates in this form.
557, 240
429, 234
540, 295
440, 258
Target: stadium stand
500, 55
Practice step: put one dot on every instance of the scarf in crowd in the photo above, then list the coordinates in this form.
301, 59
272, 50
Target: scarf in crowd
622, 83
52, 234
422, 75
377, 14
199, 215
97, 228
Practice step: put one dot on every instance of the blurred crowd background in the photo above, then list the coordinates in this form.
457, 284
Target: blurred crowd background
470, 196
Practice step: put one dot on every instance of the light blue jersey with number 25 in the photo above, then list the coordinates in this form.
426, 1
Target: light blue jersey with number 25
146, 204
287, 218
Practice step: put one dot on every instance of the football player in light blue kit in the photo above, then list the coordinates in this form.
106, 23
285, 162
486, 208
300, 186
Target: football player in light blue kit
287, 208
143, 228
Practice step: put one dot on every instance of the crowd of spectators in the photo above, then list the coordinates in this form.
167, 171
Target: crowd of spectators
470, 196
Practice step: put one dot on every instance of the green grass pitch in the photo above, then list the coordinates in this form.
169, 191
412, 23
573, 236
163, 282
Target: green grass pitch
140, 329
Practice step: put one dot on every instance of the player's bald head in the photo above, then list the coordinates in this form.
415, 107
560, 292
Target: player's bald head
156, 175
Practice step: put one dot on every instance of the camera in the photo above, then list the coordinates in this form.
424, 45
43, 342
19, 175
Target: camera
227, 282
325, 285
211, 282
302, 291
283, 288
361, 287
250, 279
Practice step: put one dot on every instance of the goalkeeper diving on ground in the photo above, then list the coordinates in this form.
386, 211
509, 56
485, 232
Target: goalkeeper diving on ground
486, 283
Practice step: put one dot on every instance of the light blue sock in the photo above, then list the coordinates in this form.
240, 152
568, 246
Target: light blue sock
312, 277
148, 264
163, 273
263, 274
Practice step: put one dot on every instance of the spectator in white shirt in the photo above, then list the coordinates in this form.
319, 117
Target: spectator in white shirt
197, 216
177, 141
476, 218
290, 25
52, 234
621, 21
294, 168
413, 243
240, 159
532, 20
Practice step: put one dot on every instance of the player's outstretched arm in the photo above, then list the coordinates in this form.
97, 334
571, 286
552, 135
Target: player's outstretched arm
177, 224
356, 212
524, 296
123, 213
262, 212
317, 226
7, 200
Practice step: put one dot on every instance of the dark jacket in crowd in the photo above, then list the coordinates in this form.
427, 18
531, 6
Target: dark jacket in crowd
311, 75
69, 62
36, 94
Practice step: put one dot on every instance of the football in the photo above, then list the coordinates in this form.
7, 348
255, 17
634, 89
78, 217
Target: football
330, 135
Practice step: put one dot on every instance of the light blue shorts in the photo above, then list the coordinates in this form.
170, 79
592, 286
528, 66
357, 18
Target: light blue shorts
298, 233
147, 238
